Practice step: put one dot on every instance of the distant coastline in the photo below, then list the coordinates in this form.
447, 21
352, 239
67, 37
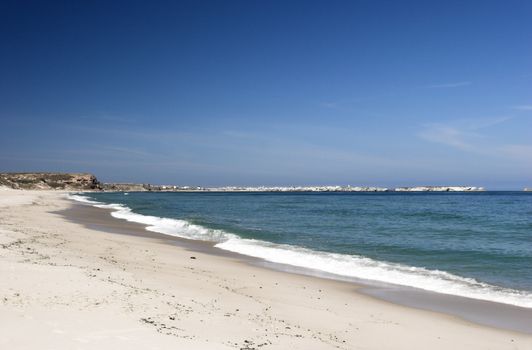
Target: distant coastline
348, 188
89, 182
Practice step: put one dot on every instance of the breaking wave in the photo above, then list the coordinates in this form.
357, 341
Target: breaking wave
353, 266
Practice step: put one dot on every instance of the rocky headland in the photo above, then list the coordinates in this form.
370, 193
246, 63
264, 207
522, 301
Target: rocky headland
50, 181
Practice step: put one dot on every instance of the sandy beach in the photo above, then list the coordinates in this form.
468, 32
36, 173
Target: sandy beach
106, 283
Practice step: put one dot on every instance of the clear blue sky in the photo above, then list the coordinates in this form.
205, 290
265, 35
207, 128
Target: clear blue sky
269, 92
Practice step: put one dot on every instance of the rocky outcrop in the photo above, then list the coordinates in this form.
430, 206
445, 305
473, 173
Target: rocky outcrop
133, 187
50, 181
291, 189
440, 189
125, 187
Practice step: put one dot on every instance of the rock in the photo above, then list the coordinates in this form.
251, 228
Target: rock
440, 189
126, 187
50, 181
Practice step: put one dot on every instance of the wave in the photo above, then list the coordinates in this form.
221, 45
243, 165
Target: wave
352, 266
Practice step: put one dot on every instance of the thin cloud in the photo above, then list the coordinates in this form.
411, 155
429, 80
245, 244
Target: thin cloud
481, 123
465, 135
523, 108
446, 135
518, 151
460, 134
449, 85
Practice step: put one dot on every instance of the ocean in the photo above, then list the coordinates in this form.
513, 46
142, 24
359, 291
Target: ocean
476, 245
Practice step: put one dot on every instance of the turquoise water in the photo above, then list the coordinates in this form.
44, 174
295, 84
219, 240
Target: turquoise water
477, 245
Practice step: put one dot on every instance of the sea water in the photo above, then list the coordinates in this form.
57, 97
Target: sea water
476, 245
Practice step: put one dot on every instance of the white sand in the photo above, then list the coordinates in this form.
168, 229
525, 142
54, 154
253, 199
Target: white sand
64, 286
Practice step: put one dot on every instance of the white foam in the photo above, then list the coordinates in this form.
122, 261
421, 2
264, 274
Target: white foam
339, 264
171, 227
365, 268
81, 199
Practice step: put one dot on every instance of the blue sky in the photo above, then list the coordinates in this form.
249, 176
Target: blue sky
385, 93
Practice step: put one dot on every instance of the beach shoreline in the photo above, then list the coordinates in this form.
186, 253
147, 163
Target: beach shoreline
169, 293
488, 313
